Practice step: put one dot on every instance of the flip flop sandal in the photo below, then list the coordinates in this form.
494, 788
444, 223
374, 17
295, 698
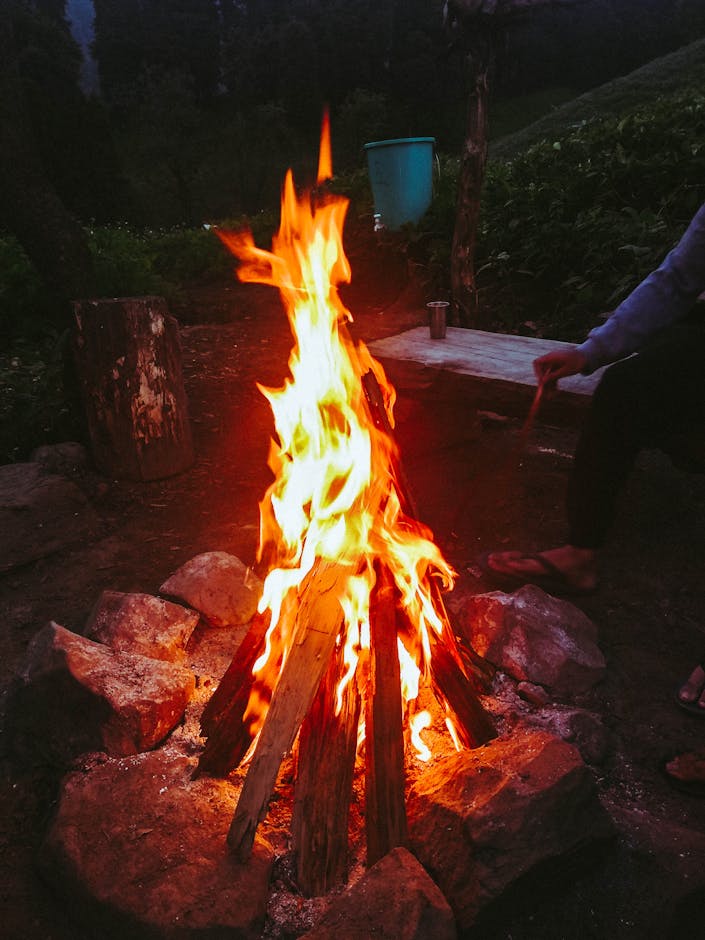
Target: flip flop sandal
689, 787
692, 708
552, 580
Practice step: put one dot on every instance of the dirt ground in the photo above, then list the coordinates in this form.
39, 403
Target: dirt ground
650, 607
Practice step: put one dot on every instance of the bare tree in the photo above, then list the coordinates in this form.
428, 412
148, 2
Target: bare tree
475, 26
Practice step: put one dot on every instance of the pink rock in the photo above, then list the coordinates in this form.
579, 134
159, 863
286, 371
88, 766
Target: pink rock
395, 898
536, 638
482, 819
218, 585
76, 695
138, 849
140, 623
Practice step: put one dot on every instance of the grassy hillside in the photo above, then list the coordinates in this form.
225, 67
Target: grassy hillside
662, 77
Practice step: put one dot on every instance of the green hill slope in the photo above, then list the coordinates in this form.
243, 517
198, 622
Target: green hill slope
664, 76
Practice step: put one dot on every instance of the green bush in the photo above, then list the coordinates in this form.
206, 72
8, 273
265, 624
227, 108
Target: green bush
568, 228
572, 225
24, 302
124, 262
34, 406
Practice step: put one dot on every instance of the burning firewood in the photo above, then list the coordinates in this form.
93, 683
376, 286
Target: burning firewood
385, 814
325, 766
318, 623
352, 598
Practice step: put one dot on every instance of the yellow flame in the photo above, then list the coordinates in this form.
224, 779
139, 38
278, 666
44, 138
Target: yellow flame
335, 494
418, 723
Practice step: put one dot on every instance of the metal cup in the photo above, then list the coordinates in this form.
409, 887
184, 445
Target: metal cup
437, 313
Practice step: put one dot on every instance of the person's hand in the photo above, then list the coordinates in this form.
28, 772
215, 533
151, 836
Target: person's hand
557, 365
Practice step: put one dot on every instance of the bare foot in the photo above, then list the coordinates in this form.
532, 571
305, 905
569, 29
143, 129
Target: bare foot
692, 692
576, 566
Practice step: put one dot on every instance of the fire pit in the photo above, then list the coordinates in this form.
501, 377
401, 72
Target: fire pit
351, 624
349, 665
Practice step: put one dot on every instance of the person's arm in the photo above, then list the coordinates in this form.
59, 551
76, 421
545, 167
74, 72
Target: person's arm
662, 298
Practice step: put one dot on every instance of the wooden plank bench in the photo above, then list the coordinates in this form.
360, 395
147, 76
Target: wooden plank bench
493, 370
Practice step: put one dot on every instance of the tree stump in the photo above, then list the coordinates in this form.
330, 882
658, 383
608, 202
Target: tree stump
128, 359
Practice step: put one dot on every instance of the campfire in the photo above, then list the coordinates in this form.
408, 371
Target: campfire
351, 634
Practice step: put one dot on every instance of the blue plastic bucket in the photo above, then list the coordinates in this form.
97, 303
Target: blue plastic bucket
401, 174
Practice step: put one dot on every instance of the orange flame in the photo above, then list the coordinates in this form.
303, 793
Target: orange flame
325, 159
335, 494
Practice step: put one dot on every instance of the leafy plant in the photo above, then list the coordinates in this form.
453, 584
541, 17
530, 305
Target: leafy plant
34, 404
573, 224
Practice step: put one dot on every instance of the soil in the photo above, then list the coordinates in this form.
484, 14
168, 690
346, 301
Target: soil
649, 608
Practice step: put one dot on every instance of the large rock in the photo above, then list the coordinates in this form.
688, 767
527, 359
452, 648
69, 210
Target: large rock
138, 849
536, 638
218, 585
396, 898
75, 695
140, 623
482, 820
581, 728
42, 512
67, 459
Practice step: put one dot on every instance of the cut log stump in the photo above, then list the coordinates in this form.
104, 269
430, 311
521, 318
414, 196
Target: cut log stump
128, 359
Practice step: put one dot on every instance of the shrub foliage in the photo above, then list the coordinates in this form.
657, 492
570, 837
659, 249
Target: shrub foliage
568, 228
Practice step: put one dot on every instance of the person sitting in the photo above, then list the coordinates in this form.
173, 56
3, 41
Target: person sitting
651, 396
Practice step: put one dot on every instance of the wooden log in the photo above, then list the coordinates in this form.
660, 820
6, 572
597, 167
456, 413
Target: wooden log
472, 665
324, 778
128, 360
229, 737
318, 622
385, 809
454, 688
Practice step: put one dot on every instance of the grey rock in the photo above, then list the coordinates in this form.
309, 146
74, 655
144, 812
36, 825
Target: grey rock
579, 727
66, 459
396, 898
138, 849
75, 695
483, 819
536, 638
223, 589
44, 512
140, 623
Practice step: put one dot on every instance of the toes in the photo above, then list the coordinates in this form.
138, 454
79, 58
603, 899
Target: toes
693, 690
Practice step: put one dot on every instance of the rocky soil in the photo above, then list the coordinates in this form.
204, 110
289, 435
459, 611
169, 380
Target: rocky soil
93, 534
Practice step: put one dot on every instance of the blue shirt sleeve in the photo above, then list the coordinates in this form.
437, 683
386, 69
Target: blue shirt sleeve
663, 297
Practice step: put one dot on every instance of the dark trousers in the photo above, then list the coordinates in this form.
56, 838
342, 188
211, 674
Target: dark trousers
655, 399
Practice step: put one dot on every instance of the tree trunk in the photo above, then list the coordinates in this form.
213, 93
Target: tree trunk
471, 178
472, 25
128, 360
